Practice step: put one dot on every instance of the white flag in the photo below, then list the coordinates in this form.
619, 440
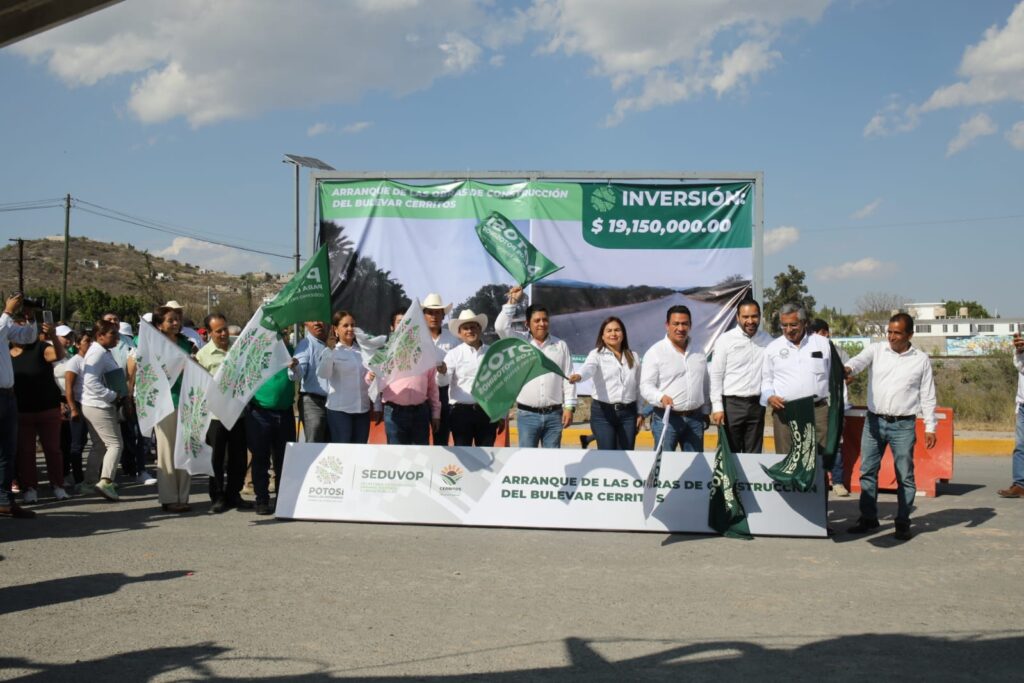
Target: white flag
191, 452
256, 355
410, 350
158, 362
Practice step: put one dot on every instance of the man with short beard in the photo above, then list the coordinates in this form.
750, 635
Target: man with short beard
735, 375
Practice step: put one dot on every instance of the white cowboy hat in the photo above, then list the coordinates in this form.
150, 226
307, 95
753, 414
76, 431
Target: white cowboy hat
126, 329
63, 331
174, 304
148, 317
433, 300
467, 316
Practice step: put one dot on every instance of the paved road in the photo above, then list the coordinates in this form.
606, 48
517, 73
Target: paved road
98, 591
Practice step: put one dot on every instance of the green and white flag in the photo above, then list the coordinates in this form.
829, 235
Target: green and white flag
158, 362
409, 351
191, 452
506, 244
836, 384
725, 511
256, 355
798, 467
508, 365
307, 296
651, 482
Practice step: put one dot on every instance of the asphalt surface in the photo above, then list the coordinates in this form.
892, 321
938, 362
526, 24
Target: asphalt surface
95, 591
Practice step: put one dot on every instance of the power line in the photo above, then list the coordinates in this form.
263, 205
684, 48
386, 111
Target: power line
915, 224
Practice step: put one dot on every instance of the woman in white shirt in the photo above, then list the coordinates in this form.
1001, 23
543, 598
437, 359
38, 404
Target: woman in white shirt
99, 405
615, 409
74, 374
341, 364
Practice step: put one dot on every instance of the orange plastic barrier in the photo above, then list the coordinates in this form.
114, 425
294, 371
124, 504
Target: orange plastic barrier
930, 466
377, 435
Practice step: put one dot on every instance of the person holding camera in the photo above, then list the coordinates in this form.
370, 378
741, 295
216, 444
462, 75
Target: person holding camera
10, 331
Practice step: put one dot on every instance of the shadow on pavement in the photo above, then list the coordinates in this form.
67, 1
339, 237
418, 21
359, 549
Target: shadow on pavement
894, 656
55, 591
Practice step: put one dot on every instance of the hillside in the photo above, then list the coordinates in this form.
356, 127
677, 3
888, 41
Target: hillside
123, 270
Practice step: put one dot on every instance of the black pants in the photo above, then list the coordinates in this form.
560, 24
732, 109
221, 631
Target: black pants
229, 460
444, 429
471, 426
744, 423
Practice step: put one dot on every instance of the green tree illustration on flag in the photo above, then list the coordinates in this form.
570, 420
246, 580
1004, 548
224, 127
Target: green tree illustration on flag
725, 511
252, 353
193, 421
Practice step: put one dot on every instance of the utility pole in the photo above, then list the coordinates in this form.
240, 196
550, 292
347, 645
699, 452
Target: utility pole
207, 301
67, 238
21, 263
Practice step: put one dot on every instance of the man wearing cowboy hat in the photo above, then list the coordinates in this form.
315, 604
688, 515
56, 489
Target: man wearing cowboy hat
545, 405
434, 310
470, 424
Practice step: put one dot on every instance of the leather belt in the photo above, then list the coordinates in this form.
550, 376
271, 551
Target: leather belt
7, 391
684, 413
748, 399
399, 407
540, 411
893, 418
618, 407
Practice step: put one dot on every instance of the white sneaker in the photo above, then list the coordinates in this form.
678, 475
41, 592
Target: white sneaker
60, 493
29, 496
145, 478
840, 491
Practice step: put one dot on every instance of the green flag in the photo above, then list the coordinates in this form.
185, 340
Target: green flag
306, 297
725, 511
508, 365
836, 383
797, 469
506, 244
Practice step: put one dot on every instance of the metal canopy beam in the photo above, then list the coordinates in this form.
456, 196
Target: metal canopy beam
20, 19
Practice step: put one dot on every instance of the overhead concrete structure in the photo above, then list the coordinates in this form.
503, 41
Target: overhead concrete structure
20, 19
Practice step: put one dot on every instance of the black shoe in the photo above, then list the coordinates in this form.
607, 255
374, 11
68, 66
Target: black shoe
243, 504
219, 506
903, 532
263, 508
863, 526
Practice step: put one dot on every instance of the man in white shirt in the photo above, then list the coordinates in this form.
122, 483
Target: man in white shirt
434, 310
796, 365
674, 375
1016, 489
11, 331
545, 405
735, 373
900, 386
470, 425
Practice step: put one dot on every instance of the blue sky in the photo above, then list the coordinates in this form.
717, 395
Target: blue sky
891, 133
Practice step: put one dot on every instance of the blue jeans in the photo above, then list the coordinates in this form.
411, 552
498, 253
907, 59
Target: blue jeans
686, 431
348, 427
407, 425
79, 435
613, 429
8, 443
1018, 450
537, 428
267, 432
900, 437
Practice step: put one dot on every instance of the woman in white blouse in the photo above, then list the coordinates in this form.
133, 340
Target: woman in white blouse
99, 406
348, 403
615, 409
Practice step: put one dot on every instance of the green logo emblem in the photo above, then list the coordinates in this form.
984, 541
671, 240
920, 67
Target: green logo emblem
603, 199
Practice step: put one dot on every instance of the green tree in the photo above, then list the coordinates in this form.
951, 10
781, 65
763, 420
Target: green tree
974, 309
841, 324
789, 288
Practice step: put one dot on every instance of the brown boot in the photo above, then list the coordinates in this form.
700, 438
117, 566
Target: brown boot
1015, 491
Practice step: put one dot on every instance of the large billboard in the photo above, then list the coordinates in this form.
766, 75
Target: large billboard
627, 249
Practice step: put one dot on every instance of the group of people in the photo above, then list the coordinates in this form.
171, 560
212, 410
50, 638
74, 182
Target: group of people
339, 397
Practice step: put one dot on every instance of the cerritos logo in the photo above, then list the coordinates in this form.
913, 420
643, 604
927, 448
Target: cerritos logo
450, 476
329, 470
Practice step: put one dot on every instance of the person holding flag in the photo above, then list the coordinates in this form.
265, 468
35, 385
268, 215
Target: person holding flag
342, 365
471, 426
269, 426
411, 403
434, 310
546, 403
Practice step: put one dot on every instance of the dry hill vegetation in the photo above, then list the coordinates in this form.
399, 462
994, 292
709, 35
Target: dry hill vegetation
102, 274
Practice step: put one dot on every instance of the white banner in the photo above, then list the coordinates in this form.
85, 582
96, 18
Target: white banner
191, 452
158, 362
526, 487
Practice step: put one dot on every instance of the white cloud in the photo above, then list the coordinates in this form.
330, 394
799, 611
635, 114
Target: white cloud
866, 267
357, 127
866, 210
970, 130
894, 117
319, 128
779, 238
1015, 136
210, 62
992, 70
214, 257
